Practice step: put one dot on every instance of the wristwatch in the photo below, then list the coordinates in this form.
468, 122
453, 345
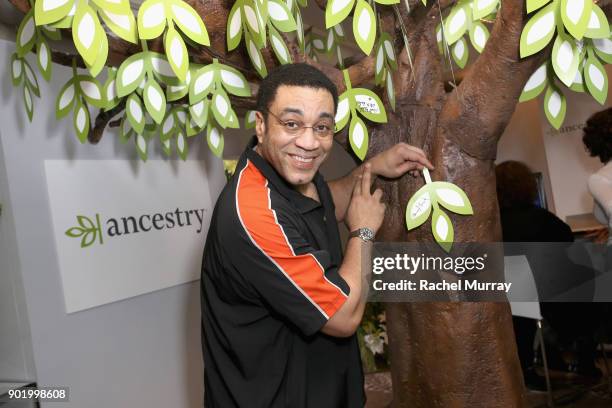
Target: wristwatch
366, 234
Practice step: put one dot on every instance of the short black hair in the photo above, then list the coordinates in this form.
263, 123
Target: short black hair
516, 185
598, 135
298, 74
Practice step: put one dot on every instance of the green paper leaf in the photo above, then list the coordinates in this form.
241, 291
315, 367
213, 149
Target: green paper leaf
65, 22
538, 31
281, 16
303, 3
442, 229
279, 47
154, 100
387, 43
575, 15
249, 16
221, 107
456, 23
343, 111
387, 2
555, 106
123, 24
596, 79
135, 114
482, 8
214, 138
91, 90
418, 208
262, 18
163, 71
16, 69
27, 101
565, 59
181, 146
65, 99
603, 49
232, 121
535, 4
189, 21
141, 146
199, 112
535, 84
110, 90
234, 26
166, 147
479, 35
151, 19
114, 6
43, 58
460, 53
101, 57
125, 131
598, 26
249, 119
168, 126
379, 65
369, 105
233, 81
299, 28
452, 197
86, 33
81, 120
202, 84
358, 137
50, 11
390, 90
130, 74
51, 32
26, 34
30, 77
336, 11
176, 52
364, 26
255, 56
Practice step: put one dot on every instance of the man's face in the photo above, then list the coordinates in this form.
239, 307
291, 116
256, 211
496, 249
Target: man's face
296, 156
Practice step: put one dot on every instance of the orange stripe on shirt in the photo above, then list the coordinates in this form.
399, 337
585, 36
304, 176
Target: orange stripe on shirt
261, 225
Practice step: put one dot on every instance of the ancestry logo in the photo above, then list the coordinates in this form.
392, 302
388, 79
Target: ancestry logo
90, 230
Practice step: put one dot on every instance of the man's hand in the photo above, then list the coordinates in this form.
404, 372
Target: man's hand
399, 159
365, 208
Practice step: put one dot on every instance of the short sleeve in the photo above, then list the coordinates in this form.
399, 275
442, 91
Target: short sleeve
294, 279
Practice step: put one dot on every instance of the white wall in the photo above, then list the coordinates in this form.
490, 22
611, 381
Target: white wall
140, 352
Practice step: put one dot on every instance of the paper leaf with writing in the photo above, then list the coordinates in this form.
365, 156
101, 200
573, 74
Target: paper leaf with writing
16, 69
81, 120
538, 31
50, 11
26, 34
482, 8
533, 5
123, 24
176, 52
215, 141
87, 33
281, 16
364, 26
130, 74
564, 59
456, 23
603, 49
91, 90
135, 113
596, 79
460, 53
479, 34
65, 99
189, 22
279, 47
452, 197
575, 15
369, 105
535, 84
418, 208
442, 229
151, 19
343, 111
555, 106
234, 26
154, 100
358, 137
43, 58
336, 11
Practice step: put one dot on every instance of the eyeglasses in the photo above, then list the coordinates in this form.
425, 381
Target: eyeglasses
297, 128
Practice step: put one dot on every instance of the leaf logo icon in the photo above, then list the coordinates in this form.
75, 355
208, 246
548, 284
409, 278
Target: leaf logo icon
87, 230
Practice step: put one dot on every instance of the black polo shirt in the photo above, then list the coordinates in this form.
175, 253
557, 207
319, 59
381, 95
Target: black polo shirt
269, 284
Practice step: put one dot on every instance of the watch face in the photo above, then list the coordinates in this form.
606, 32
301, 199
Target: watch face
366, 234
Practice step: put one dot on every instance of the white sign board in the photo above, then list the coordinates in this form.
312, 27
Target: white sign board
124, 228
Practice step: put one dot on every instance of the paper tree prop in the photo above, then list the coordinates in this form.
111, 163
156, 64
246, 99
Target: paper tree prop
428, 199
368, 104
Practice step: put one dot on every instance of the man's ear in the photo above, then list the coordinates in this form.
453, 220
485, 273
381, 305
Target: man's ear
260, 126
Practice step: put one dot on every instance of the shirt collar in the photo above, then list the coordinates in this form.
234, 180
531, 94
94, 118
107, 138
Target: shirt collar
301, 202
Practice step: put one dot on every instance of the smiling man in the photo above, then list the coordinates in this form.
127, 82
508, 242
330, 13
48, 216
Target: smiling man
280, 304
